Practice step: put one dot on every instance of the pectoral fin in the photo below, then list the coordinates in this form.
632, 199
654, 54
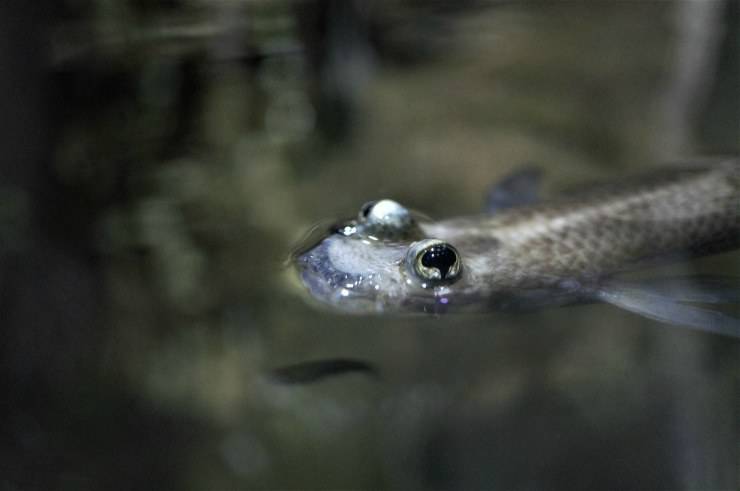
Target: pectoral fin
517, 189
674, 300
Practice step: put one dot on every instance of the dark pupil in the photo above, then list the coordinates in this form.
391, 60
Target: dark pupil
440, 257
366, 209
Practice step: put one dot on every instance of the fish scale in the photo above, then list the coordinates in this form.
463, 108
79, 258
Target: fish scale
692, 212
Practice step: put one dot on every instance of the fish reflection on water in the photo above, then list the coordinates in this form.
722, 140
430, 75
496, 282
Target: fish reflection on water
525, 254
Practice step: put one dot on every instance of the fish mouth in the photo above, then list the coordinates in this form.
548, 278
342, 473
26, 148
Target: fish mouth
354, 274
329, 285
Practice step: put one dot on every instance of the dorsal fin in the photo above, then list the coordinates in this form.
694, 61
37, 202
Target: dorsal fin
521, 187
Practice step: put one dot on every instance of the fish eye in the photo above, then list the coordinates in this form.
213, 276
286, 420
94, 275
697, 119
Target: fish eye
434, 261
386, 213
365, 210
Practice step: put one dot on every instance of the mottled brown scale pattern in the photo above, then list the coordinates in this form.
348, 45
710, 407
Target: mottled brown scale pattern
690, 212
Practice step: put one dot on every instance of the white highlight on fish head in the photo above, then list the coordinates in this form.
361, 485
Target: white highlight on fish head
375, 266
364, 257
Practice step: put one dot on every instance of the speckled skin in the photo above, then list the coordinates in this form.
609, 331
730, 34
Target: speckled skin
552, 253
607, 229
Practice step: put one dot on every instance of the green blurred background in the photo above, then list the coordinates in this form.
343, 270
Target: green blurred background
161, 158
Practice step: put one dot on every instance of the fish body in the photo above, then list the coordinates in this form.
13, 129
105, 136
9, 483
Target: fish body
525, 256
601, 232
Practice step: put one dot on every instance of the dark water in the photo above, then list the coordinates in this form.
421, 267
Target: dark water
160, 160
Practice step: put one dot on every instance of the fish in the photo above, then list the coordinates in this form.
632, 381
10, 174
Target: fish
524, 253
308, 372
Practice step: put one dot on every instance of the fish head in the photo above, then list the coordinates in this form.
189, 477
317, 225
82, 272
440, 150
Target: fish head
381, 262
